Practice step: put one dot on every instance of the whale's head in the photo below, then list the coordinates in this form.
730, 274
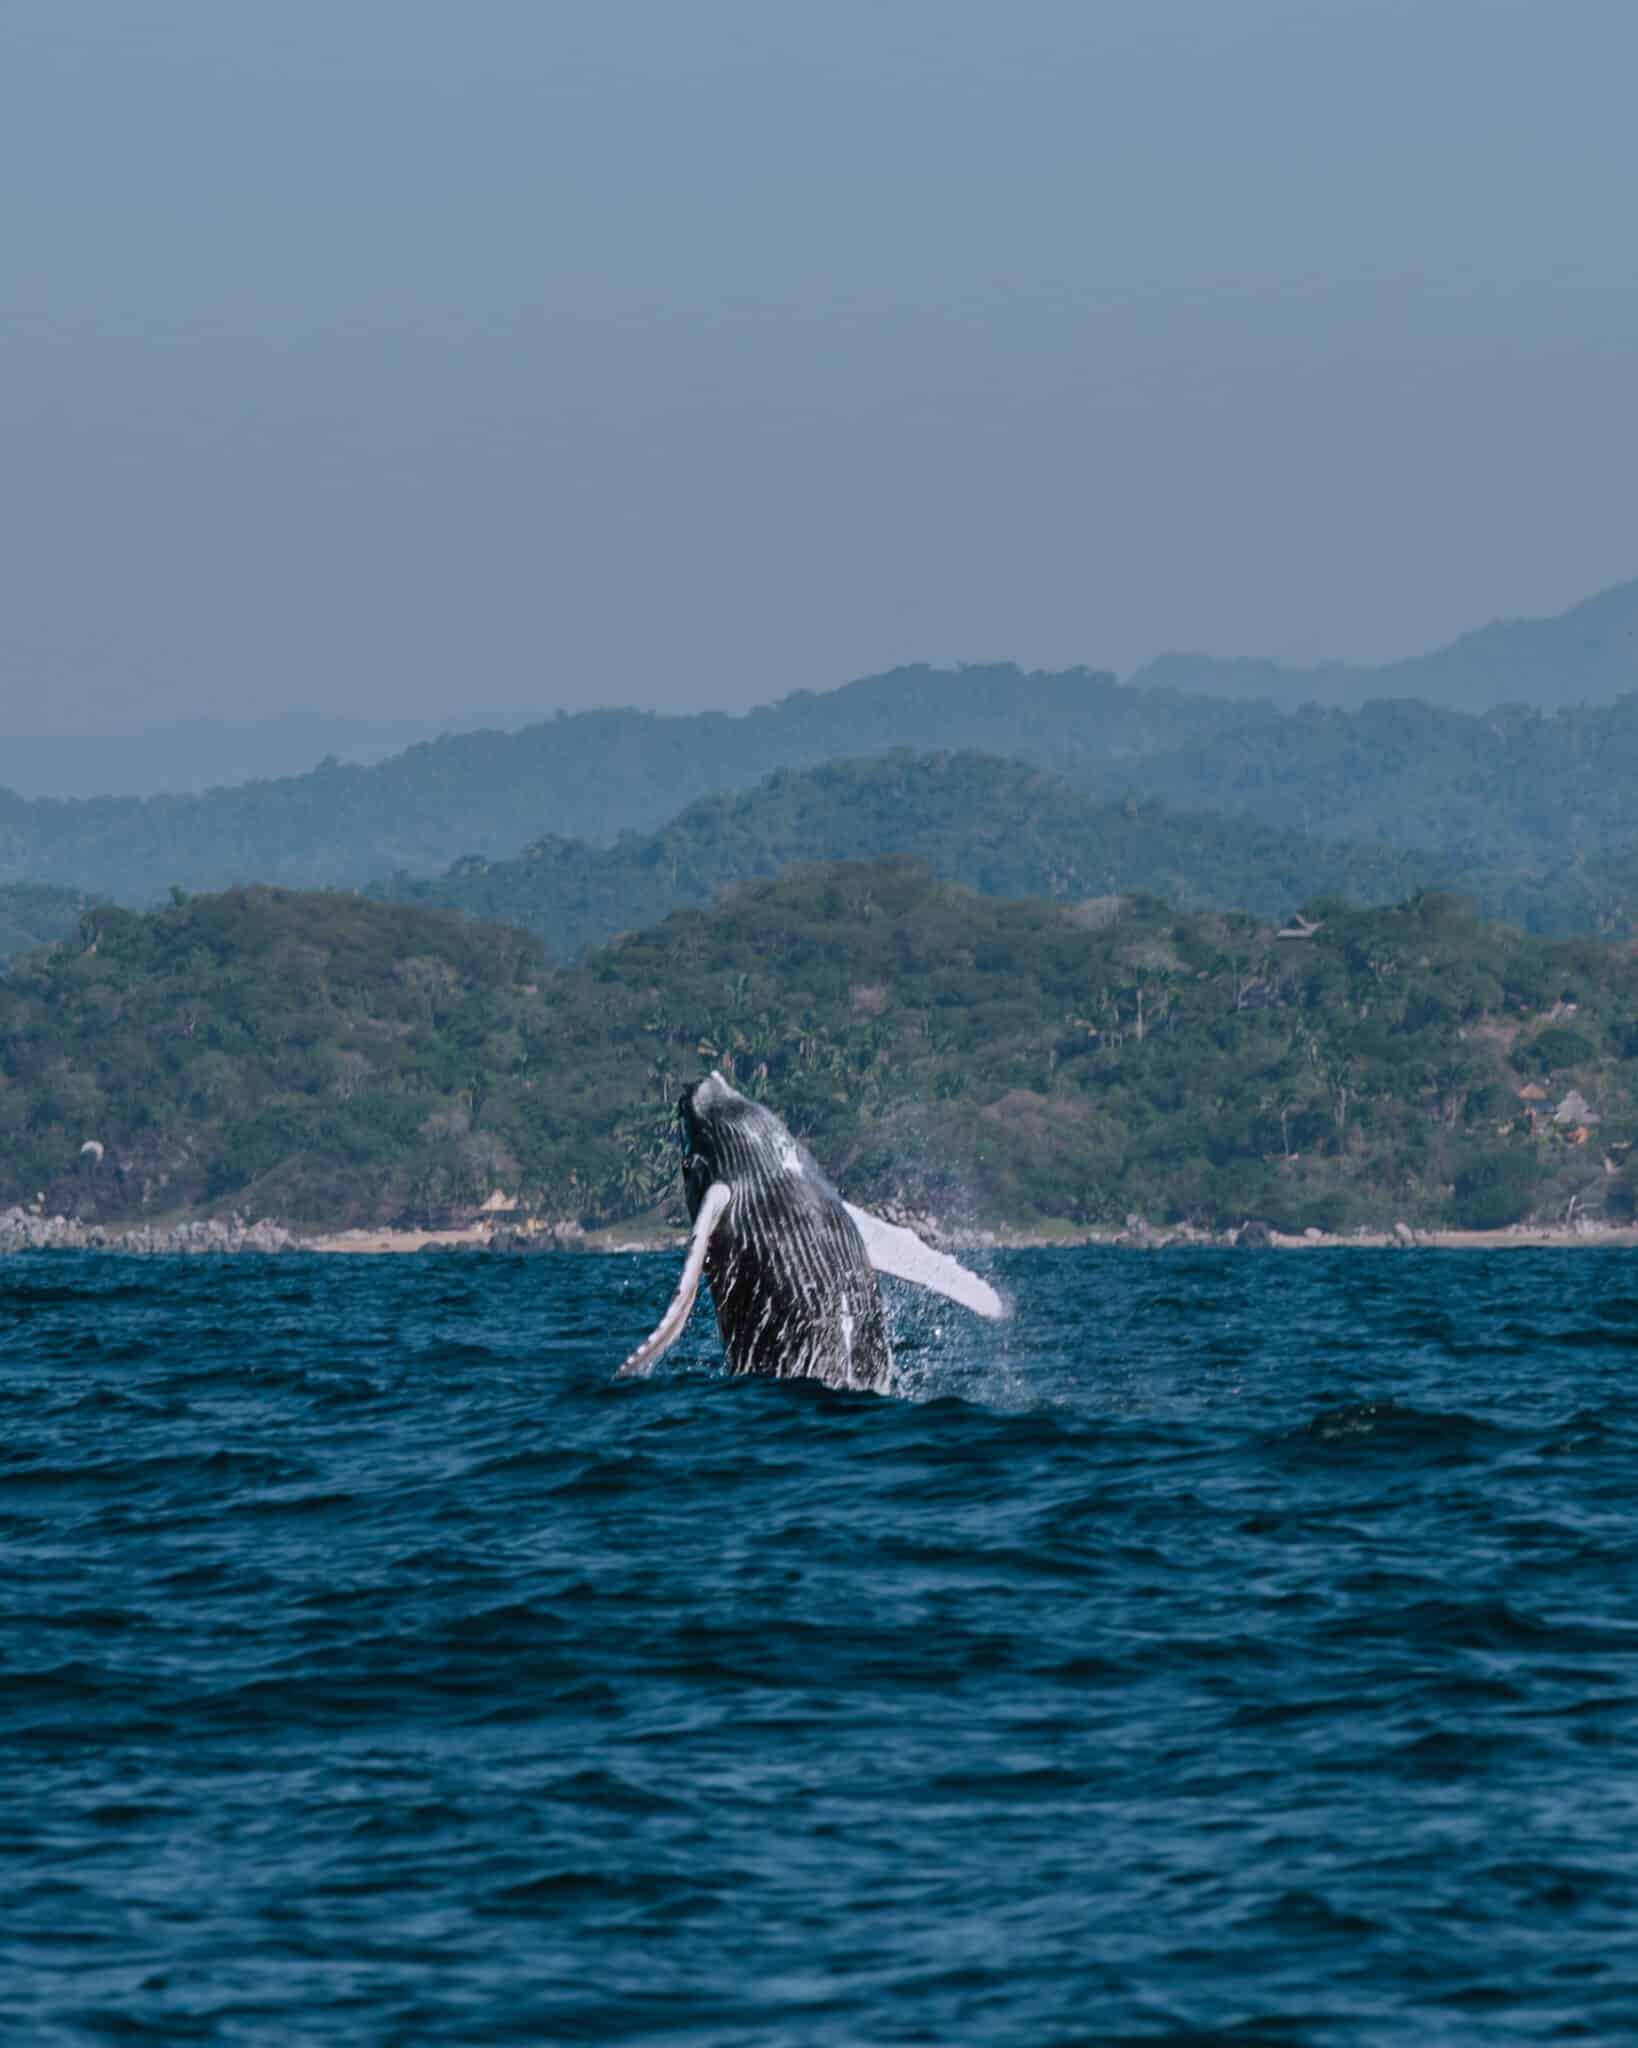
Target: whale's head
725, 1136
705, 1117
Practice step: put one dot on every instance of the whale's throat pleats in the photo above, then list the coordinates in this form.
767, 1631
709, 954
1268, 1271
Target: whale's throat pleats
794, 1292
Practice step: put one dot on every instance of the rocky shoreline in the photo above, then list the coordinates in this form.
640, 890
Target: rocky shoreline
24, 1230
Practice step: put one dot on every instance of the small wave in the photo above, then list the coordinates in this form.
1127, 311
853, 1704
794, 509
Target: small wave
1309, 1913
217, 1469
132, 1813
611, 1476
325, 1501
1388, 1428
418, 1820
1461, 1753
512, 1626
608, 1792
1026, 1784
1486, 1623
600, 1887
17, 1290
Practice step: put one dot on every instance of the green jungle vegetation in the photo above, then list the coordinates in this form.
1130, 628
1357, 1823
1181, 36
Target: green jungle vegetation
1004, 829
1001, 827
327, 1059
309, 1056
34, 914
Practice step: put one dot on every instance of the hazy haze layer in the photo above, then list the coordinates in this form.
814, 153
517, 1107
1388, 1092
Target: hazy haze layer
385, 361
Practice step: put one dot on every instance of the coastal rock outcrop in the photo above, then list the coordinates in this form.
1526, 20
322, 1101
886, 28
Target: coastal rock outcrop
26, 1230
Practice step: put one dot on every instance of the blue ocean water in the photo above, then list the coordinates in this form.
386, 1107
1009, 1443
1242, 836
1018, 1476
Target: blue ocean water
1231, 1647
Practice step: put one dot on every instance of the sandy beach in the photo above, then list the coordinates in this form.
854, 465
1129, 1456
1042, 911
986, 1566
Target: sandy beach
373, 1241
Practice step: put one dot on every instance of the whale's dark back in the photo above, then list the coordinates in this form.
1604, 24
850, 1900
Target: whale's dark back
792, 1284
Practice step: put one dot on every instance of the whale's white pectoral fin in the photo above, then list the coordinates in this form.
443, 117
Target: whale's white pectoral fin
675, 1320
901, 1253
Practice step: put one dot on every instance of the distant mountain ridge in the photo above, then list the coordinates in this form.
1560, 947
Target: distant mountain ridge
1505, 785
186, 756
1514, 792
588, 776
1586, 655
1248, 679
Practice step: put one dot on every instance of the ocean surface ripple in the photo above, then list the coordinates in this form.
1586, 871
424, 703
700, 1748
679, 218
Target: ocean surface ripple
1234, 1647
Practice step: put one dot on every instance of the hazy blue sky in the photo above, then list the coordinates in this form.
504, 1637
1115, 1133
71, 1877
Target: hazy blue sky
384, 360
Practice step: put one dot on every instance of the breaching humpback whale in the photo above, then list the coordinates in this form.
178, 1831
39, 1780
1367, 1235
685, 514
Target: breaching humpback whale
792, 1267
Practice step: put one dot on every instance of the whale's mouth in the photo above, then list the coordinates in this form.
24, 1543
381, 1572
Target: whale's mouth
687, 1131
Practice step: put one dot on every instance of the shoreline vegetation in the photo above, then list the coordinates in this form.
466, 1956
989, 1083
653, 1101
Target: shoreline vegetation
1041, 1068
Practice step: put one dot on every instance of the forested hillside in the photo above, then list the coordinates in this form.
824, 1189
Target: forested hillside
1511, 790
1001, 827
588, 776
325, 1059
306, 1056
1004, 829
